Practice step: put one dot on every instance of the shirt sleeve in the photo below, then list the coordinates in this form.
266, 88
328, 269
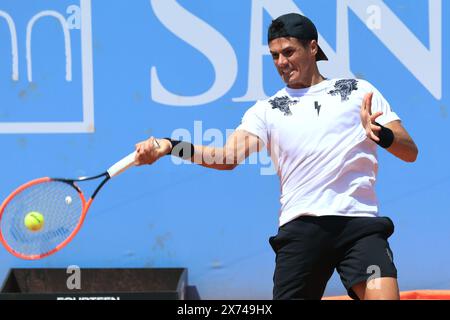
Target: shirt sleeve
254, 122
379, 103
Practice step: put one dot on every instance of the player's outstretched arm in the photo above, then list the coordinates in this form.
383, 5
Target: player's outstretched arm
238, 147
240, 144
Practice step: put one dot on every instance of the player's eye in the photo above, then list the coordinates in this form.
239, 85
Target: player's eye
288, 53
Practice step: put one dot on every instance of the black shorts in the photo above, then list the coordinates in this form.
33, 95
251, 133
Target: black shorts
309, 248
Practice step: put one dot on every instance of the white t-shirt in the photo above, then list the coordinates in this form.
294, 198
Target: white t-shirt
325, 162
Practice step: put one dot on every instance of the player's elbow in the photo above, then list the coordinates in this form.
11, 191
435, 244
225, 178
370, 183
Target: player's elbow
412, 155
229, 167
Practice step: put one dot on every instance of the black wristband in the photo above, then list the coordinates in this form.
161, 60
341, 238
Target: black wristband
386, 137
181, 149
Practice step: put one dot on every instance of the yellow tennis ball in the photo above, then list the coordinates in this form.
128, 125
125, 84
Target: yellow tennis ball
34, 221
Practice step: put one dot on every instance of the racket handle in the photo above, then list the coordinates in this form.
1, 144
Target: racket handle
122, 165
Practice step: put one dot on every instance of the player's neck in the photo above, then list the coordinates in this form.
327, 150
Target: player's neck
316, 78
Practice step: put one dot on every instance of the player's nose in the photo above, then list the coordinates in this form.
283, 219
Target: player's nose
282, 61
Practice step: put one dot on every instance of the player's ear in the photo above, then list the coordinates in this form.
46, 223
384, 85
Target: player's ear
314, 47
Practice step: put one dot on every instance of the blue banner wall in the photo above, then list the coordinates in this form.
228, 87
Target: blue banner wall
82, 81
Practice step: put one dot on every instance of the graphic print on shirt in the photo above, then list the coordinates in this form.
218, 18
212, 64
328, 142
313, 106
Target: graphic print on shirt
344, 88
283, 104
317, 106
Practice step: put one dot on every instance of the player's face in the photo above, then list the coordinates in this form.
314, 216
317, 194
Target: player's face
294, 62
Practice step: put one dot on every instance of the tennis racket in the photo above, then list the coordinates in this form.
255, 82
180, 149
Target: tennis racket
61, 204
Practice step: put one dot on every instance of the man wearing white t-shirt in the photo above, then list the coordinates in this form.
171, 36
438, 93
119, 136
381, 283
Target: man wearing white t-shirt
322, 135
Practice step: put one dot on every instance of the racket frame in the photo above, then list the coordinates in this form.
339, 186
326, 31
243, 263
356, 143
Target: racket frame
85, 207
113, 171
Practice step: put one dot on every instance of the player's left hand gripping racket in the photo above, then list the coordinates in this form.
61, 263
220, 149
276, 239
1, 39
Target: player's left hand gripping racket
62, 205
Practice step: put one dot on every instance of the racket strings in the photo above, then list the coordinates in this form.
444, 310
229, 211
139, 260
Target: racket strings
60, 205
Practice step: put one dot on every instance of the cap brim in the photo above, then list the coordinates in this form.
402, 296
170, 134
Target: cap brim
320, 55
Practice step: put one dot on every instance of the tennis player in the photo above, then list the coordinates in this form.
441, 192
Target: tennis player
323, 136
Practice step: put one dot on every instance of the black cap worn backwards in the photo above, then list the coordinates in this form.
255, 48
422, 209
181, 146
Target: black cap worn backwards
297, 26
